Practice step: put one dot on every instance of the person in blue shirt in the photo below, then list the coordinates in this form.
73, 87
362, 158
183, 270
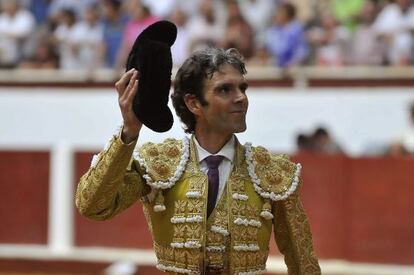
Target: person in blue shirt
113, 27
285, 39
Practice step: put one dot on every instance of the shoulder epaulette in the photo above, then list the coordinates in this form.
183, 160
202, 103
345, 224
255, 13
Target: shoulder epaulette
160, 162
277, 176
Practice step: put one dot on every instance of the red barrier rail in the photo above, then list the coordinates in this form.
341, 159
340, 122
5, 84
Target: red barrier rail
359, 209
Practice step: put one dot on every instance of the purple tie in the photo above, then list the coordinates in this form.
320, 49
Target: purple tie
213, 163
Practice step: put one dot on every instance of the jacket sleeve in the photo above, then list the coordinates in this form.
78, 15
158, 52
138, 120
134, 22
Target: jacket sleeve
293, 236
112, 183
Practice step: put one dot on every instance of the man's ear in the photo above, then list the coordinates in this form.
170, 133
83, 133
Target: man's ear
193, 104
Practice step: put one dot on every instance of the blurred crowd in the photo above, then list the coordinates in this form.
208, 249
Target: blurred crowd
321, 141
90, 34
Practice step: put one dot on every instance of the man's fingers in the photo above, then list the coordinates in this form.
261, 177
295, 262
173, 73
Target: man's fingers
130, 85
120, 84
131, 94
134, 87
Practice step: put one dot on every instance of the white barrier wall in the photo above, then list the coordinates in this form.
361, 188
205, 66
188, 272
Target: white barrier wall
358, 118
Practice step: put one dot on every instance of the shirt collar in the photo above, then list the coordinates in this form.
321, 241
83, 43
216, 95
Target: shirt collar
226, 151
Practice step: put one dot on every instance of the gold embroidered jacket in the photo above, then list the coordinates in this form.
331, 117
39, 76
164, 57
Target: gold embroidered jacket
261, 194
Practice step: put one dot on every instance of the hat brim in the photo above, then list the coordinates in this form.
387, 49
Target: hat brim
160, 120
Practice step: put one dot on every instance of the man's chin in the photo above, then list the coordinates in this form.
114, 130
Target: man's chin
240, 129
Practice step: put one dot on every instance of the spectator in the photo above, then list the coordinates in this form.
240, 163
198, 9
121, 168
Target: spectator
44, 57
323, 142
285, 38
365, 46
87, 40
16, 26
113, 22
140, 18
63, 37
346, 12
260, 58
190, 8
258, 14
39, 9
161, 9
77, 6
80, 42
394, 25
181, 48
205, 30
238, 33
304, 143
307, 10
329, 41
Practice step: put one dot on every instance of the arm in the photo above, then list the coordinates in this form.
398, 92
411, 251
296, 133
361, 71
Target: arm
113, 183
293, 236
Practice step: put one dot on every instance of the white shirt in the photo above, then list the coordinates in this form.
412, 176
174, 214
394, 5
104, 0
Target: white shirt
12, 30
226, 165
392, 21
87, 37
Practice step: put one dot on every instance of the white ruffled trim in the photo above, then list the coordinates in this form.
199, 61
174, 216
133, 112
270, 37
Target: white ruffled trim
246, 247
177, 174
172, 268
107, 145
252, 272
216, 248
118, 131
187, 244
159, 208
246, 222
256, 180
196, 218
193, 194
219, 230
240, 197
266, 214
94, 161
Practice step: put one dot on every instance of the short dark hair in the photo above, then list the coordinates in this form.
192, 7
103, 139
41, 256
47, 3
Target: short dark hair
115, 4
290, 10
70, 13
320, 132
191, 76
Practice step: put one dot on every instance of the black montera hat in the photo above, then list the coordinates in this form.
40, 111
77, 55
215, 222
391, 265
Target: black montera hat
151, 56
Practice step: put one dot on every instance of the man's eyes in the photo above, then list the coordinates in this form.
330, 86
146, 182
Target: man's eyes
225, 89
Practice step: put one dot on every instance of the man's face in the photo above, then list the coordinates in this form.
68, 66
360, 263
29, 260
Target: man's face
227, 103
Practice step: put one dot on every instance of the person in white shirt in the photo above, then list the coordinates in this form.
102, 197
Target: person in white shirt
80, 42
63, 36
205, 30
87, 39
16, 26
394, 24
181, 48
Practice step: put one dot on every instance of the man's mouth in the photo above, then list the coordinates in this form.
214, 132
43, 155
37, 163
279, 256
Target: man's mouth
238, 112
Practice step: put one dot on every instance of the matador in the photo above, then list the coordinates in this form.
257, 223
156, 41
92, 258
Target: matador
210, 202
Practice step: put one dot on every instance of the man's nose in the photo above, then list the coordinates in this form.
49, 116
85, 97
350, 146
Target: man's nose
240, 96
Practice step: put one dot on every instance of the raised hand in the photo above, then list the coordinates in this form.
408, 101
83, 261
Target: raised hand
127, 88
